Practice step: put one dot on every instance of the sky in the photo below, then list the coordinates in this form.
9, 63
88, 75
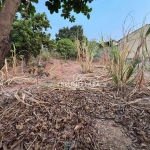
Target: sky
109, 18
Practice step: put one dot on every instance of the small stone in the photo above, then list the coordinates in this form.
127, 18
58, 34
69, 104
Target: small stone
143, 145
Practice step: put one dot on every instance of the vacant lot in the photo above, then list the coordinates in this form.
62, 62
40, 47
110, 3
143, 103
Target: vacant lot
68, 110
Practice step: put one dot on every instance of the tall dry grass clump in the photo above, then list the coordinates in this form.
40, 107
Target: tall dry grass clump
83, 58
9, 75
86, 55
126, 72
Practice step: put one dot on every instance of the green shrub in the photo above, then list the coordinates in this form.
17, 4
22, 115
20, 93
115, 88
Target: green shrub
45, 55
67, 48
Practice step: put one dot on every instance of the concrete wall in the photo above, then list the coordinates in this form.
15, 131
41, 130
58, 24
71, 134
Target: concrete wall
132, 41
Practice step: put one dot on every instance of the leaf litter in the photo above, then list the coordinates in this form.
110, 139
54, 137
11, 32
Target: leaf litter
58, 118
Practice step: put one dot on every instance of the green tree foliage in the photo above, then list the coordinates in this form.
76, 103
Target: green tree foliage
74, 33
8, 9
66, 6
29, 33
26, 5
67, 48
63, 33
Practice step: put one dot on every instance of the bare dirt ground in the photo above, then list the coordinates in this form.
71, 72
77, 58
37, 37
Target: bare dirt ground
46, 116
59, 70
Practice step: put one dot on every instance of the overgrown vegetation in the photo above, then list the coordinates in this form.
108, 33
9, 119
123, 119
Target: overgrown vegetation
72, 33
69, 117
67, 41
86, 53
120, 70
28, 33
124, 72
67, 48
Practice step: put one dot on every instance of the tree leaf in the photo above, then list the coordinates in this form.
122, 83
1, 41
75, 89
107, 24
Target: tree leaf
88, 16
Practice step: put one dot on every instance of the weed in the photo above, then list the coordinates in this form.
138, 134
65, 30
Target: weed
44, 55
123, 71
86, 54
14, 59
38, 70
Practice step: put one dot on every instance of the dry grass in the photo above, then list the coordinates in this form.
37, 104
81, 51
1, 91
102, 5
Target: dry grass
124, 72
8, 77
84, 58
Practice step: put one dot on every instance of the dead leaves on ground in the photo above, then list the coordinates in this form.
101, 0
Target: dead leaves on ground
45, 119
